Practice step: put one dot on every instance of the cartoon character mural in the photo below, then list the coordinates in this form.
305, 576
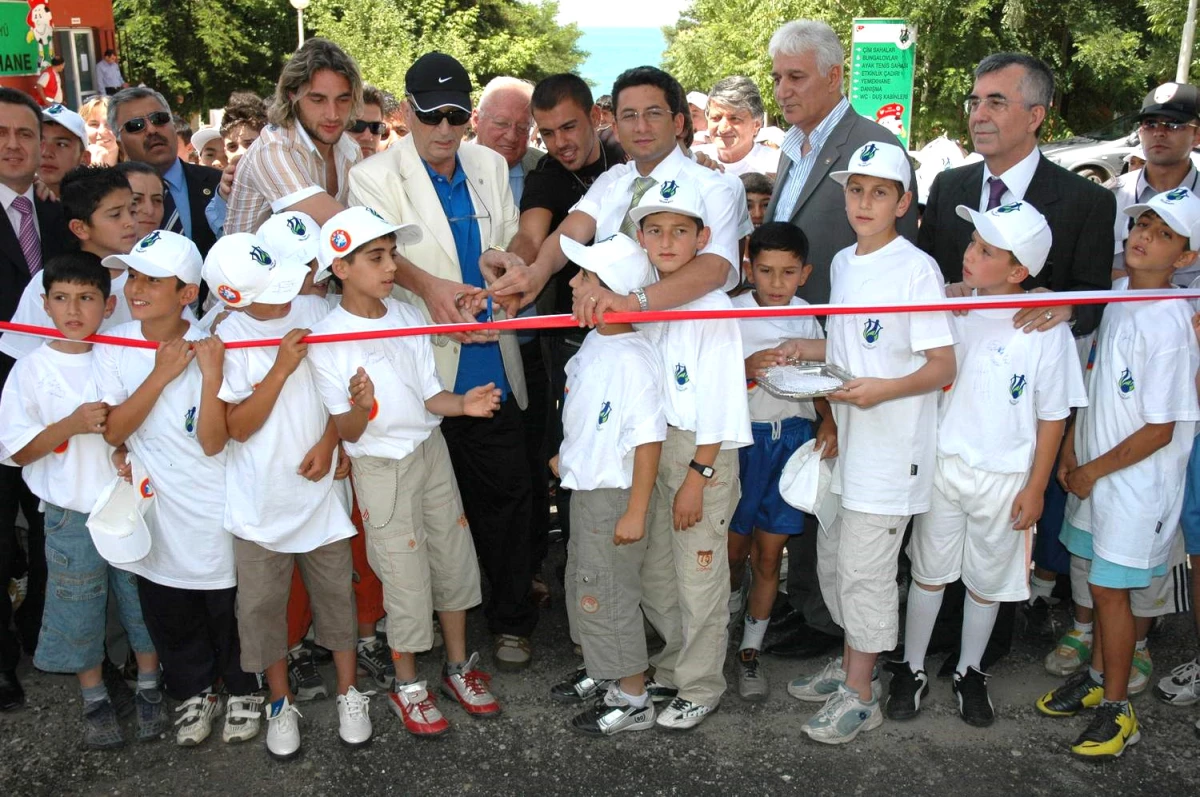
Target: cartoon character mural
41, 27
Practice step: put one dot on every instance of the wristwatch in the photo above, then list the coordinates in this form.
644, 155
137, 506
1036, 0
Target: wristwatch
640, 295
704, 470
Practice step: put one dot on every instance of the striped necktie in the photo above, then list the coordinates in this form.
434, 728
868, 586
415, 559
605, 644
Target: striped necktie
31, 246
640, 186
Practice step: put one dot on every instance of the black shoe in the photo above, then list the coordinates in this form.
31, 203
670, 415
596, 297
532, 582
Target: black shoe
804, 643
578, 688
118, 690
12, 696
974, 704
905, 692
789, 621
1036, 619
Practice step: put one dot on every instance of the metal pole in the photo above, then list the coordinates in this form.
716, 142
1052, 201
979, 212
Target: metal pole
300, 23
1185, 46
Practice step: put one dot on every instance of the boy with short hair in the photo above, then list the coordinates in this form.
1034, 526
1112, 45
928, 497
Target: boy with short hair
763, 521
52, 427
758, 195
999, 428
386, 400
64, 145
885, 433
165, 409
686, 571
1125, 462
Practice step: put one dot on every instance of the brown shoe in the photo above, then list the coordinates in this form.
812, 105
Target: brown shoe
511, 652
539, 593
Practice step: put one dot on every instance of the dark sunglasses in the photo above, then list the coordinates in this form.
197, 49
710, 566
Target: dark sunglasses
138, 123
359, 125
455, 116
1155, 124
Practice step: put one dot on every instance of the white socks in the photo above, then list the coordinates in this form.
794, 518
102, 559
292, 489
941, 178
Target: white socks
753, 633
920, 615
1039, 588
637, 701
978, 620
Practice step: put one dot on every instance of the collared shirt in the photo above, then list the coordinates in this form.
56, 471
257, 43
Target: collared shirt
7, 195
1131, 188
1016, 179
478, 363
177, 184
516, 181
108, 75
802, 165
281, 168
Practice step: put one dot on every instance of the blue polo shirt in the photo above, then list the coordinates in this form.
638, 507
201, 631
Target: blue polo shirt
478, 363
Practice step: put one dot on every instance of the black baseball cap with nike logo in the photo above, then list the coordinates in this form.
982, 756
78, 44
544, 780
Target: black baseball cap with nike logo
437, 80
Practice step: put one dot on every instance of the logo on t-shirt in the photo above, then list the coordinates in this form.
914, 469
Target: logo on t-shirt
1125, 384
146, 489
605, 413
872, 327
189, 422
1016, 388
681, 377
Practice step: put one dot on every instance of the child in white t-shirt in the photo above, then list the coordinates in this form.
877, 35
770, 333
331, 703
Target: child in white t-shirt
999, 429
686, 574
52, 426
1124, 462
165, 410
385, 398
886, 433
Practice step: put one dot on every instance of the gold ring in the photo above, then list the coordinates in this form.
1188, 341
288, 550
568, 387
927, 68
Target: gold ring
1049, 315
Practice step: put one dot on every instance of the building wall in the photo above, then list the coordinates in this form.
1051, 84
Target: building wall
94, 15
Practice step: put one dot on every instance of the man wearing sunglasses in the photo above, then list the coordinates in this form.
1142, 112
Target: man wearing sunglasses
368, 128
459, 195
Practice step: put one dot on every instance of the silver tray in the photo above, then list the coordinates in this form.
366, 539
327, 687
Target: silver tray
774, 375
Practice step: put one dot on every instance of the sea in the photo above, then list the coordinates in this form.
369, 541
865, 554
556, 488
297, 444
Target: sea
613, 50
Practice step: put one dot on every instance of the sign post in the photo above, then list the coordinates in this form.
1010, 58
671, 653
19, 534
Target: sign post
882, 60
18, 47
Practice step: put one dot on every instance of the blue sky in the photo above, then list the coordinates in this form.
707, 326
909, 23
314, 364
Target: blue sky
620, 13
638, 40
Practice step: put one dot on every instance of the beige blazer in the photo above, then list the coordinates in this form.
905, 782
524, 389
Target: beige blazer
395, 183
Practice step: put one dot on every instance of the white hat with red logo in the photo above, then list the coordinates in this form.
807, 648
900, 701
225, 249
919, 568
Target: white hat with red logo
240, 271
354, 227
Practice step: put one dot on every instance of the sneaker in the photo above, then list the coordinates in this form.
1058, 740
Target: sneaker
683, 715
1113, 728
1182, 686
118, 691
511, 652
660, 693
752, 681
613, 714
413, 704
101, 731
1078, 693
303, 677
470, 688
974, 704
354, 718
1140, 670
818, 688
243, 717
1070, 655
152, 719
905, 692
1037, 619
283, 729
196, 723
843, 717
375, 661
578, 688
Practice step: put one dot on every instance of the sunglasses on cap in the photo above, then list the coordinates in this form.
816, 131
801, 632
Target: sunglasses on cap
359, 125
455, 116
138, 123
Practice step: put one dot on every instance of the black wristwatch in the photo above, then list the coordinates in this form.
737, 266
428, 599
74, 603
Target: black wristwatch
704, 470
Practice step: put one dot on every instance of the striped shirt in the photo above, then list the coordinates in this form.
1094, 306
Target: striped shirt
281, 168
792, 184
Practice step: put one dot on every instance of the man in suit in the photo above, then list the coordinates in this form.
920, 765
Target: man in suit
31, 232
806, 67
459, 195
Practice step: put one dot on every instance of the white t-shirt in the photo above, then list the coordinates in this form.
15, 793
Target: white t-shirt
43, 388
190, 548
759, 334
613, 405
1144, 372
886, 453
267, 501
1007, 381
31, 309
761, 159
401, 368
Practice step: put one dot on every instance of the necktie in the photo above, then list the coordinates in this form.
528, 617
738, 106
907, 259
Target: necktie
640, 186
27, 235
996, 189
170, 219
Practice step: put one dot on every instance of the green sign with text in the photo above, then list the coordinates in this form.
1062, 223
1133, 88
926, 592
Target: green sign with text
18, 47
882, 54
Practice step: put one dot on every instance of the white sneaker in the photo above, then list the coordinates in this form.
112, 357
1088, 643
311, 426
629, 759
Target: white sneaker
196, 723
817, 688
843, 717
243, 717
354, 719
1182, 686
683, 715
283, 729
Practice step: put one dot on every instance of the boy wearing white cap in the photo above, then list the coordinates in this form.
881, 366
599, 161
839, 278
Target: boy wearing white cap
64, 145
293, 236
1124, 461
886, 433
279, 503
999, 428
686, 573
387, 401
165, 409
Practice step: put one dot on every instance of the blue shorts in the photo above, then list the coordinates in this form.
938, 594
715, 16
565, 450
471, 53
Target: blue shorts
1104, 573
762, 507
77, 588
1189, 520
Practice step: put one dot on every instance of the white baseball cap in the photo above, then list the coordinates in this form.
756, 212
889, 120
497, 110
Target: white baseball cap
1017, 227
805, 484
670, 196
62, 115
291, 236
1179, 208
117, 522
203, 136
698, 98
240, 270
618, 261
162, 253
353, 227
878, 159
1136, 152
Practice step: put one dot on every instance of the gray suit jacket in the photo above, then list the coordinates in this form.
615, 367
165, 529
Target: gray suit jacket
821, 210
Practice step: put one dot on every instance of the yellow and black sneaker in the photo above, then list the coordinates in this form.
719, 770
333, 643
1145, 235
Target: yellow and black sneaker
1114, 728
1079, 692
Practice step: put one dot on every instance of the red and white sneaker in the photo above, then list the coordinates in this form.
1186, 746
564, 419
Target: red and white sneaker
470, 689
414, 705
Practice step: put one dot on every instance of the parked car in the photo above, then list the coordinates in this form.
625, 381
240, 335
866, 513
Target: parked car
1099, 155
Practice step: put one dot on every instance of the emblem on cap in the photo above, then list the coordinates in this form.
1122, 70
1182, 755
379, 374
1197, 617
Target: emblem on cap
375, 213
1011, 207
150, 240
1165, 92
56, 108
668, 189
228, 294
1176, 195
261, 257
339, 240
868, 152
296, 227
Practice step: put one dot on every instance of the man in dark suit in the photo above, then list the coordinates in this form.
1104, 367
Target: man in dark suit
31, 232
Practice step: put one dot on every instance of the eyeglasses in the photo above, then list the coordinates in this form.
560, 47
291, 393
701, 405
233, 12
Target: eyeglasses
1155, 124
455, 116
359, 125
138, 123
989, 104
651, 115
508, 127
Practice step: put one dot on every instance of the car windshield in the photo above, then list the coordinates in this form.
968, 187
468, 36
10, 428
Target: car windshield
1117, 128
